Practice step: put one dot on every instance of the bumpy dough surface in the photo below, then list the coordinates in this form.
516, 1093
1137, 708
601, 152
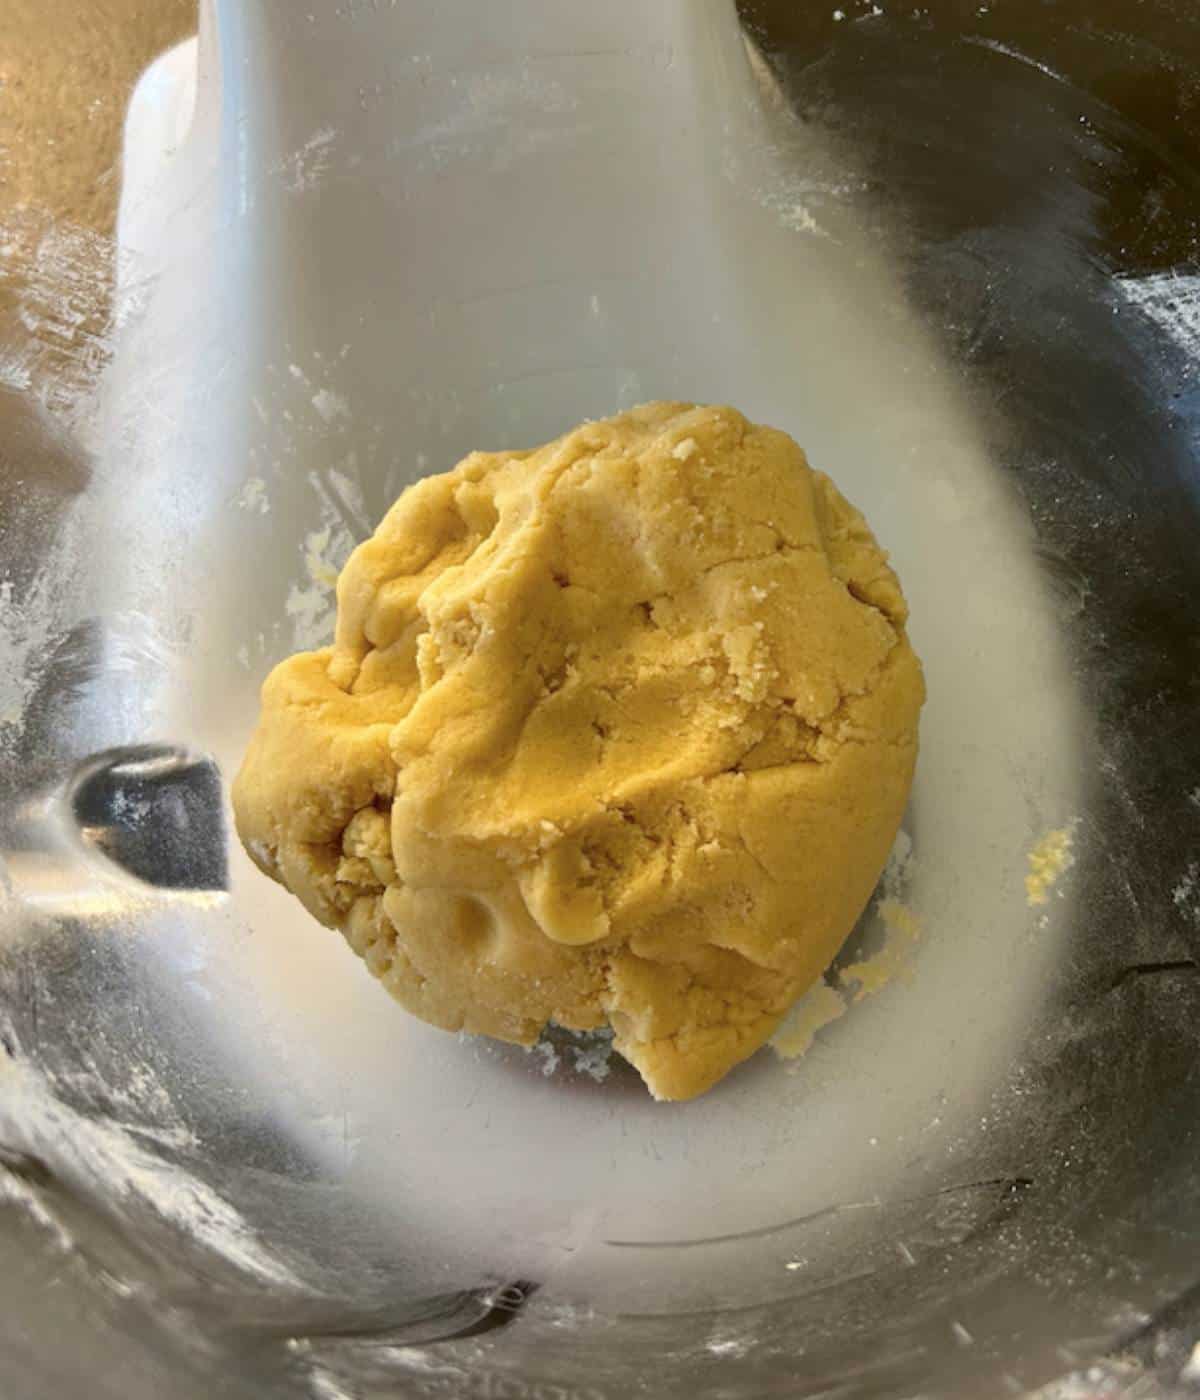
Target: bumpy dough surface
617, 731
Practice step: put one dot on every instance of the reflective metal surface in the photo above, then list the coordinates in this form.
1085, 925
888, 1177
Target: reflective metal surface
952, 250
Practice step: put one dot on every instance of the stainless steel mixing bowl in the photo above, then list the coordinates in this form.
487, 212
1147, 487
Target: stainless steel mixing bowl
953, 249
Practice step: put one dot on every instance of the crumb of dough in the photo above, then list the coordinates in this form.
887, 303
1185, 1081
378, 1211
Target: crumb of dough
615, 732
819, 1007
824, 1003
1048, 860
868, 977
253, 496
1184, 894
902, 929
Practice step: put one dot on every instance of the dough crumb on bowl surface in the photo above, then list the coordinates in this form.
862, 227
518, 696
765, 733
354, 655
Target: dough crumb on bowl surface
615, 732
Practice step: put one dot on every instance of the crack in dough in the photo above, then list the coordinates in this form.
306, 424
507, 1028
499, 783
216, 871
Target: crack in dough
616, 731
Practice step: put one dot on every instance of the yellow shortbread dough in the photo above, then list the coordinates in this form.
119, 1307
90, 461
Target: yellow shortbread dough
618, 731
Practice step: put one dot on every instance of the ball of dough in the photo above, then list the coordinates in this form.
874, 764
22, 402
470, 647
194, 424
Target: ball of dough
618, 731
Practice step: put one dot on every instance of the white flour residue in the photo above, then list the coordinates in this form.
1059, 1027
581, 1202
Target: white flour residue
140, 652
16, 368
253, 496
312, 604
796, 201
305, 168
144, 1094
592, 1057
997, 47
725, 1342
20, 644
1114, 1379
590, 1051
36, 633
63, 285
342, 503
102, 1156
139, 645
1172, 302
323, 1386
330, 405
1186, 894
789, 208
548, 1054
501, 109
59, 277
30, 622
15, 1192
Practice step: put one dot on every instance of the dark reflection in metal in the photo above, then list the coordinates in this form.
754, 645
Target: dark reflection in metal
157, 813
